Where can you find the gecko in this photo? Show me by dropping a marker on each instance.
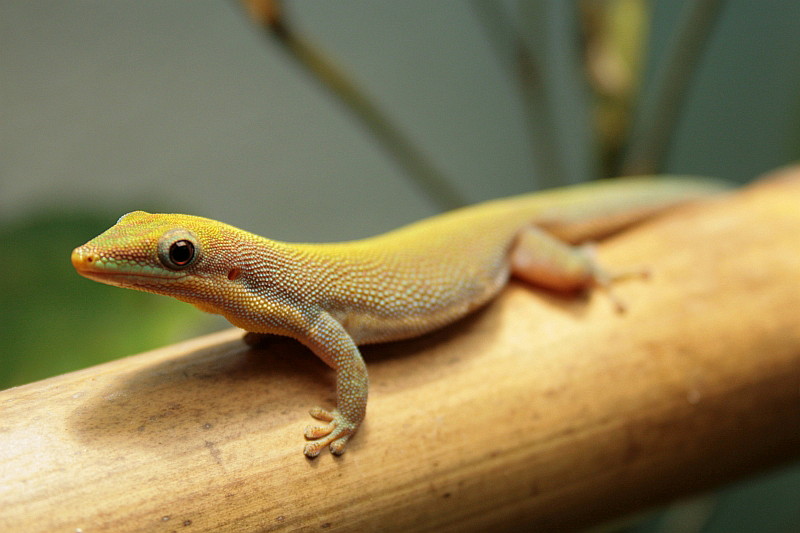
(333, 297)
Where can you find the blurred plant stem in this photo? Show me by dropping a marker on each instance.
(660, 101)
(571, 93)
(555, 72)
(615, 49)
(269, 15)
(524, 68)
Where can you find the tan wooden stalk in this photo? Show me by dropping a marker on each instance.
(538, 412)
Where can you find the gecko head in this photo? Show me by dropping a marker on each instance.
(161, 253)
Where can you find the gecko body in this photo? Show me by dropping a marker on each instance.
(334, 296)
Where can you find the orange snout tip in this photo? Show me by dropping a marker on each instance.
(81, 259)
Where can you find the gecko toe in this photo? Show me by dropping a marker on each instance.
(316, 432)
(322, 414)
(338, 446)
(312, 449)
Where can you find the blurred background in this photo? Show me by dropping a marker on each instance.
(338, 120)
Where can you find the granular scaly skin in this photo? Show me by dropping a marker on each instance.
(333, 297)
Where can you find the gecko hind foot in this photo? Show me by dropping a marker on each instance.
(335, 433)
(605, 280)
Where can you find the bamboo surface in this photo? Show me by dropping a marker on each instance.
(538, 412)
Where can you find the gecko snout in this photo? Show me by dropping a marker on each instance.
(82, 259)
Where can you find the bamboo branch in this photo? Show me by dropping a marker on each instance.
(537, 412)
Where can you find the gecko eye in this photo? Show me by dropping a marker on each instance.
(181, 253)
(177, 249)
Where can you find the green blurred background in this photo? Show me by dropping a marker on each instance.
(108, 107)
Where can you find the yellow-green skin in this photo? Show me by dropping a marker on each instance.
(332, 297)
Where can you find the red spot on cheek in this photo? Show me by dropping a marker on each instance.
(234, 273)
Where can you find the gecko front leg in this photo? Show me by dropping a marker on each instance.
(331, 343)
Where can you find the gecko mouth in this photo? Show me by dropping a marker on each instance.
(85, 264)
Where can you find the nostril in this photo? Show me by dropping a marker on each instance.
(81, 259)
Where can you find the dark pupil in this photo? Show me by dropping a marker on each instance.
(181, 252)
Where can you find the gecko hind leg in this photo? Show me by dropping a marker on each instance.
(541, 259)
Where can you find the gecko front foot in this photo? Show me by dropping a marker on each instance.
(335, 433)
